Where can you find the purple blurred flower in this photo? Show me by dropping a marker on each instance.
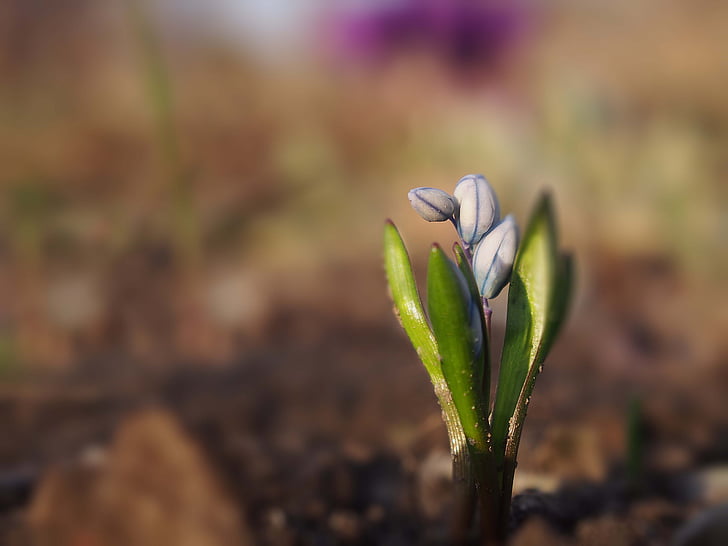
(464, 32)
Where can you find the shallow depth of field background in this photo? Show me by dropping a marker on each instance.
(192, 198)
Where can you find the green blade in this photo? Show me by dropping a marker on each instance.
(408, 308)
(484, 361)
(407, 303)
(467, 271)
(451, 312)
(530, 300)
(563, 289)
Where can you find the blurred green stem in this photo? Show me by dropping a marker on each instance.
(159, 92)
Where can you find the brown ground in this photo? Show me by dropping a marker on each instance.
(328, 433)
(196, 347)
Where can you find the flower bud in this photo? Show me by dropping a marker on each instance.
(479, 209)
(493, 259)
(432, 204)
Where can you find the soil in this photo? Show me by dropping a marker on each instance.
(327, 432)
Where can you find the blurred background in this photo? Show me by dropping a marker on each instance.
(196, 343)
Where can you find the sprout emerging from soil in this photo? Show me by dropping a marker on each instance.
(452, 337)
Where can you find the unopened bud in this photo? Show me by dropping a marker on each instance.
(479, 209)
(493, 259)
(432, 204)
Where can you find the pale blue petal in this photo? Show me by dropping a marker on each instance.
(493, 259)
(478, 208)
(432, 204)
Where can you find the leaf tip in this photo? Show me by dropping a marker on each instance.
(545, 204)
(436, 252)
(390, 231)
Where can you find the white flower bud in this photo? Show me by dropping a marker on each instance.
(493, 259)
(479, 209)
(432, 204)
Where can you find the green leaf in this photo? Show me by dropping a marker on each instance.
(408, 308)
(467, 271)
(451, 311)
(484, 362)
(563, 289)
(529, 325)
(407, 303)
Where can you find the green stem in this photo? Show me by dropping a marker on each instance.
(474, 472)
(486, 479)
(463, 481)
(489, 490)
(509, 471)
(158, 83)
(486, 317)
(513, 440)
